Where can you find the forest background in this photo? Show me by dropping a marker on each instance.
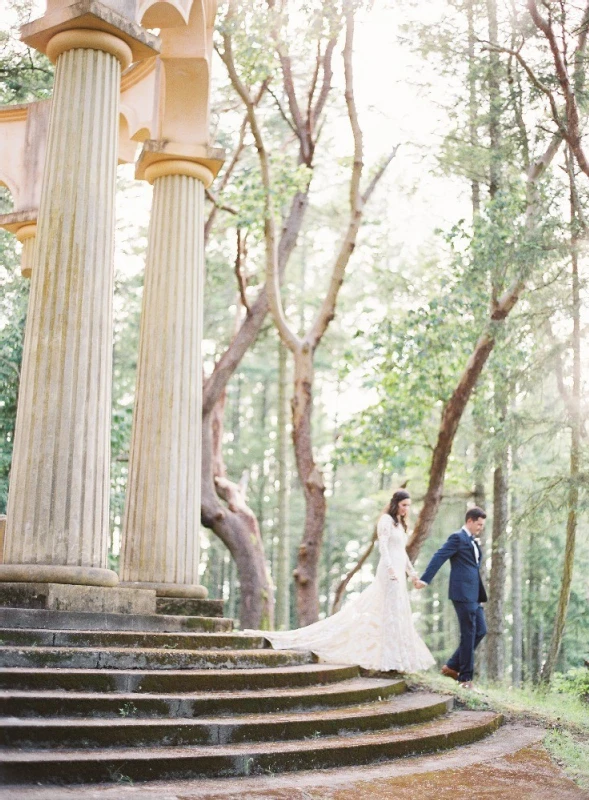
(413, 175)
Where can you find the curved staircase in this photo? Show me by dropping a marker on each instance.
(88, 698)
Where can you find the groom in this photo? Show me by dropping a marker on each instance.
(466, 592)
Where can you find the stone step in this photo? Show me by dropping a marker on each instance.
(130, 732)
(33, 637)
(88, 621)
(72, 704)
(174, 763)
(189, 606)
(170, 680)
(148, 658)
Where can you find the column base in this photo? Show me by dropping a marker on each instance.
(189, 591)
(55, 573)
(69, 597)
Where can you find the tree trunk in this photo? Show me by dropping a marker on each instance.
(451, 416)
(495, 607)
(261, 488)
(233, 593)
(283, 576)
(495, 102)
(538, 651)
(575, 455)
(516, 590)
(306, 572)
(473, 104)
(236, 526)
(479, 494)
(531, 603)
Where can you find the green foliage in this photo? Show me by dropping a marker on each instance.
(416, 357)
(13, 307)
(575, 682)
(25, 75)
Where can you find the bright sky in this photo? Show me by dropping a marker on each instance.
(387, 75)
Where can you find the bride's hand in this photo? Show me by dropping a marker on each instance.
(392, 574)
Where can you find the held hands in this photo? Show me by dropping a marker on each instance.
(419, 584)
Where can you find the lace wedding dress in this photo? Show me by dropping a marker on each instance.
(375, 629)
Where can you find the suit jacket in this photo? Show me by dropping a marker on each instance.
(465, 580)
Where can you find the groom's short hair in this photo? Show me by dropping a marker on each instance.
(475, 513)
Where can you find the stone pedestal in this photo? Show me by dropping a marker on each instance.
(57, 526)
(162, 515)
(87, 599)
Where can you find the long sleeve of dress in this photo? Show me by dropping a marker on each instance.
(410, 569)
(383, 531)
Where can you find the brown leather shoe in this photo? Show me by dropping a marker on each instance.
(449, 672)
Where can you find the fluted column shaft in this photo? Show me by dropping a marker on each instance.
(59, 488)
(162, 514)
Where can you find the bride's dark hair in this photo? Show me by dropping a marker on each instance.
(393, 509)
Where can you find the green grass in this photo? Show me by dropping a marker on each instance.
(565, 716)
(571, 753)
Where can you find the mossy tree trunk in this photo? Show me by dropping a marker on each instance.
(575, 453)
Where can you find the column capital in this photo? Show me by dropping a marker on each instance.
(17, 220)
(159, 158)
(23, 224)
(26, 236)
(89, 39)
(26, 232)
(90, 15)
(174, 166)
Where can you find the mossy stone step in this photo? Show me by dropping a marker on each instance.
(130, 732)
(175, 763)
(32, 637)
(147, 658)
(99, 621)
(189, 606)
(72, 704)
(169, 680)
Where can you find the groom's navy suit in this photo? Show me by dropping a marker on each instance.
(466, 592)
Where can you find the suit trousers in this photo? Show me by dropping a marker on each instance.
(473, 627)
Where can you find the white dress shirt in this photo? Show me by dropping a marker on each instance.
(476, 549)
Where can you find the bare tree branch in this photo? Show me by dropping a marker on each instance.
(315, 112)
(572, 129)
(283, 113)
(357, 200)
(273, 282)
(239, 264)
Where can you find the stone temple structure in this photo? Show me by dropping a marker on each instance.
(117, 86)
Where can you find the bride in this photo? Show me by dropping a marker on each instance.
(375, 629)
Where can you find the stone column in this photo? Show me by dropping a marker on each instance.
(57, 517)
(162, 515)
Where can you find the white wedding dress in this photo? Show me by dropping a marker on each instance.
(375, 629)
